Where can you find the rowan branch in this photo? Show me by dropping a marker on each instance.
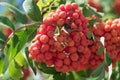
(18, 29)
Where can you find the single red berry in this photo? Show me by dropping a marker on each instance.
(7, 31)
(44, 38)
(74, 57)
(48, 55)
(61, 55)
(59, 63)
(74, 6)
(44, 47)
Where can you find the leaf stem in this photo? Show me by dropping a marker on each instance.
(18, 29)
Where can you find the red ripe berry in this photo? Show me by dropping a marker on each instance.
(62, 7)
(49, 62)
(44, 47)
(78, 21)
(50, 28)
(114, 33)
(62, 14)
(80, 49)
(7, 31)
(65, 69)
(48, 55)
(76, 38)
(34, 51)
(50, 33)
(39, 57)
(60, 48)
(60, 22)
(44, 38)
(59, 63)
(75, 15)
(61, 55)
(67, 61)
(71, 43)
(37, 37)
(107, 36)
(42, 29)
(55, 17)
(51, 41)
(52, 49)
(73, 25)
(74, 57)
(26, 73)
(75, 65)
(74, 6)
(60, 38)
(72, 49)
(57, 45)
(48, 20)
(31, 56)
(107, 28)
(68, 7)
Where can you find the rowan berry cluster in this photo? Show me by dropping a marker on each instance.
(116, 6)
(95, 4)
(61, 42)
(111, 32)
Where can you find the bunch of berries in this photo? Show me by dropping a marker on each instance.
(61, 41)
(116, 6)
(111, 32)
(95, 4)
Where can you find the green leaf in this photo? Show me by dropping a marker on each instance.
(62, 1)
(23, 37)
(16, 43)
(1, 65)
(81, 73)
(101, 76)
(59, 76)
(44, 1)
(1, 43)
(80, 2)
(70, 76)
(12, 47)
(5, 21)
(98, 71)
(31, 31)
(14, 72)
(30, 62)
(89, 35)
(2, 36)
(6, 76)
(20, 59)
(101, 49)
(88, 11)
(91, 23)
(19, 16)
(107, 59)
(6, 63)
(32, 10)
(1, 54)
(47, 70)
(57, 31)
